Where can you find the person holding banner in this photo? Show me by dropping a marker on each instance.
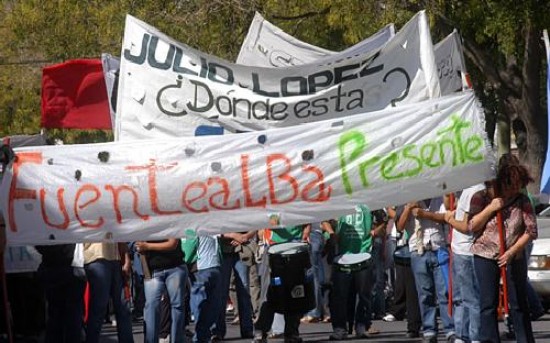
(352, 267)
(206, 289)
(429, 256)
(277, 237)
(168, 275)
(519, 226)
(64, 281)
(103, 270)
(465, 286)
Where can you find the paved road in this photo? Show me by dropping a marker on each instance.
(389, 332)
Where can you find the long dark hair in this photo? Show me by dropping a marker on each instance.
(509, 171)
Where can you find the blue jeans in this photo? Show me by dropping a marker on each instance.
(465, 298)
(207, 293)
(430, 286)
(172, 281)
(105, 279)
(232, 262)
(379, 274)
(316, 241)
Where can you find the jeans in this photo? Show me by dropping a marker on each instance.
(379, 274)
(105, 280)
(430, 285)
(65, 296)
(342, 282)
(316, 241)
(172, 281)
(465, 298)
(206, 293)
(232, 262)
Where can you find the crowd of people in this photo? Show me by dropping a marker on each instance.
(438, 260)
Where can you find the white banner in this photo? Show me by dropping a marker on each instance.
(266, 45)
(153, 189)
(111, 66)
(21, 259)
(168, 89)
(451, 67)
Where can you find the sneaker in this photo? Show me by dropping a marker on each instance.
(165, 339)
(260, 337)
(235, 321)
(429, 339)
(413, 334)
(389, 318)
(309, 319)
(247, 335)
(293, 339)
(360, 331)
(373, 331)
(338, 336)
(217, 338)
(451, 338)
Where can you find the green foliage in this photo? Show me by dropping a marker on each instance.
(58, 30)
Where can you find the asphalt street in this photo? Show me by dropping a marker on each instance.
(319, 332)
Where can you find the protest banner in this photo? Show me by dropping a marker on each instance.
(167, 89)
(111, 66)
(266, 45)
(154, 189)
(21, 259)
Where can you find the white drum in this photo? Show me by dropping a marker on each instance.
(349, 263)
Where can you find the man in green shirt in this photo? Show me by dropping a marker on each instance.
(353, 237)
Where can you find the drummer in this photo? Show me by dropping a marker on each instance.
(353, 237)
(266, 314)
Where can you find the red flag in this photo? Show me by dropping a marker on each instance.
(74, 96)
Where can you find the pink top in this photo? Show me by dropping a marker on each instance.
(517, 218)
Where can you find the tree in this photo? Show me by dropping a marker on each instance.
(501, 39)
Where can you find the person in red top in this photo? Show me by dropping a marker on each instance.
(520, 226)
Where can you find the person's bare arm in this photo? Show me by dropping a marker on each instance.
(479, 220)
(437, 217)
(459, 225)
(167, 245)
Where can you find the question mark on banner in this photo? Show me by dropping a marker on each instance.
(408, 86)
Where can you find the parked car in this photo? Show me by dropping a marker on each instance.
(539, 263)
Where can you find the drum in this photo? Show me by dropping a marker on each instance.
(291, 289)
(402, 256)
(349, 263)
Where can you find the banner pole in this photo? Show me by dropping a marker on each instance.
(503, 268)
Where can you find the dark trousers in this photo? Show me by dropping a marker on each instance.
(65, 297)
(406, 298)
(518, 299)
(342, 284)
(488, 275)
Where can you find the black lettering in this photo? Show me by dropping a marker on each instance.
(339, 76)
(299, 107)
(139, 59)
(301, 83)
(357, 102)
(256, 87)
(194, 106)
(151, 55)
(338, 97)
(265, 105)
(213, 73)
(315, 104)
(236, 107)
(319, 80)
(274, 112)
(219, 105)
(177, 64)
